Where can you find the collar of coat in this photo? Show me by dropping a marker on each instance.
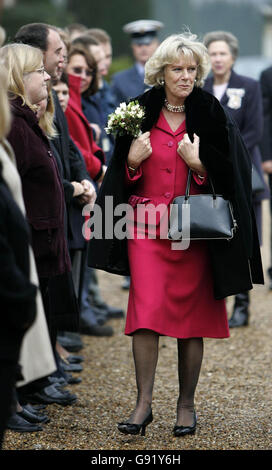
(23, 110)
(235, 80)
(204, 116)
(221, 148)
(203, 111)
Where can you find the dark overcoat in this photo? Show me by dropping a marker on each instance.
(17, 293)
(236, 264)
(72, 167)
(95, 111)
(266, 87)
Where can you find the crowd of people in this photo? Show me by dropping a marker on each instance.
(55, 100)
(54, 154)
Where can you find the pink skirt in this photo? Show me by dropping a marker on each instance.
(171, 291)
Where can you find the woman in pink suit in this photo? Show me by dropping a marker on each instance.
(159, 304)
(178, 293)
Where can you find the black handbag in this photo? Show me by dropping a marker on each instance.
(258, 185)
(201, 216)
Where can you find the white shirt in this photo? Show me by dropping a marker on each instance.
(219, 90)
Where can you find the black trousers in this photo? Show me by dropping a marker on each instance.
(8, 377)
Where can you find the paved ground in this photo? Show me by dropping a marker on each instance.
(233, 400)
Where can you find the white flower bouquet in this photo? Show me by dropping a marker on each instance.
(126, 119)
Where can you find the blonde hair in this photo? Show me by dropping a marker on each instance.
(46, 121)
(170, 50)
(20, 59)
(5, 114)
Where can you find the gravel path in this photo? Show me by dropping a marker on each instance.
(233, 400)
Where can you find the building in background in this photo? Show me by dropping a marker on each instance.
(249, 20)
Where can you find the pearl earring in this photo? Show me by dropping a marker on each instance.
(161, 82)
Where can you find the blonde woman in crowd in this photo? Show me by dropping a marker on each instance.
(24, 335)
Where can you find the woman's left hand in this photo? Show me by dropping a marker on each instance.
(189, 152)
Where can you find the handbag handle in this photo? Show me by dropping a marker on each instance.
(188, 185)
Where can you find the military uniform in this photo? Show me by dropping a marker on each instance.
(130, 82)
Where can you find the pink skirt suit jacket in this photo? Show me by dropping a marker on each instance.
(171, 290)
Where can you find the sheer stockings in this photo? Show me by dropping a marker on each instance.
(190, 354)
(145, 354)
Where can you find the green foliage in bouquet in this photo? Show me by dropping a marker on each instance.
(126, 119)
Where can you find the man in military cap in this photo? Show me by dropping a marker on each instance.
(144, 41)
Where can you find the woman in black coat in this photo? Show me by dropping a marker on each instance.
(237, 264)
(234, 264)
(17, 296)
(242, 98)
(17, 292)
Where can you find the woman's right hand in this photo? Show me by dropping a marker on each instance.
(139, 151)
(78, 188)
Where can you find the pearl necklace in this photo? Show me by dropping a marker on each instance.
(174, 109)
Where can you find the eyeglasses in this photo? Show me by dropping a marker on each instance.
(41, 70)
(80, 70)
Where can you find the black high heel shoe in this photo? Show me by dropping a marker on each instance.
(130, 428)
(183, 430)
